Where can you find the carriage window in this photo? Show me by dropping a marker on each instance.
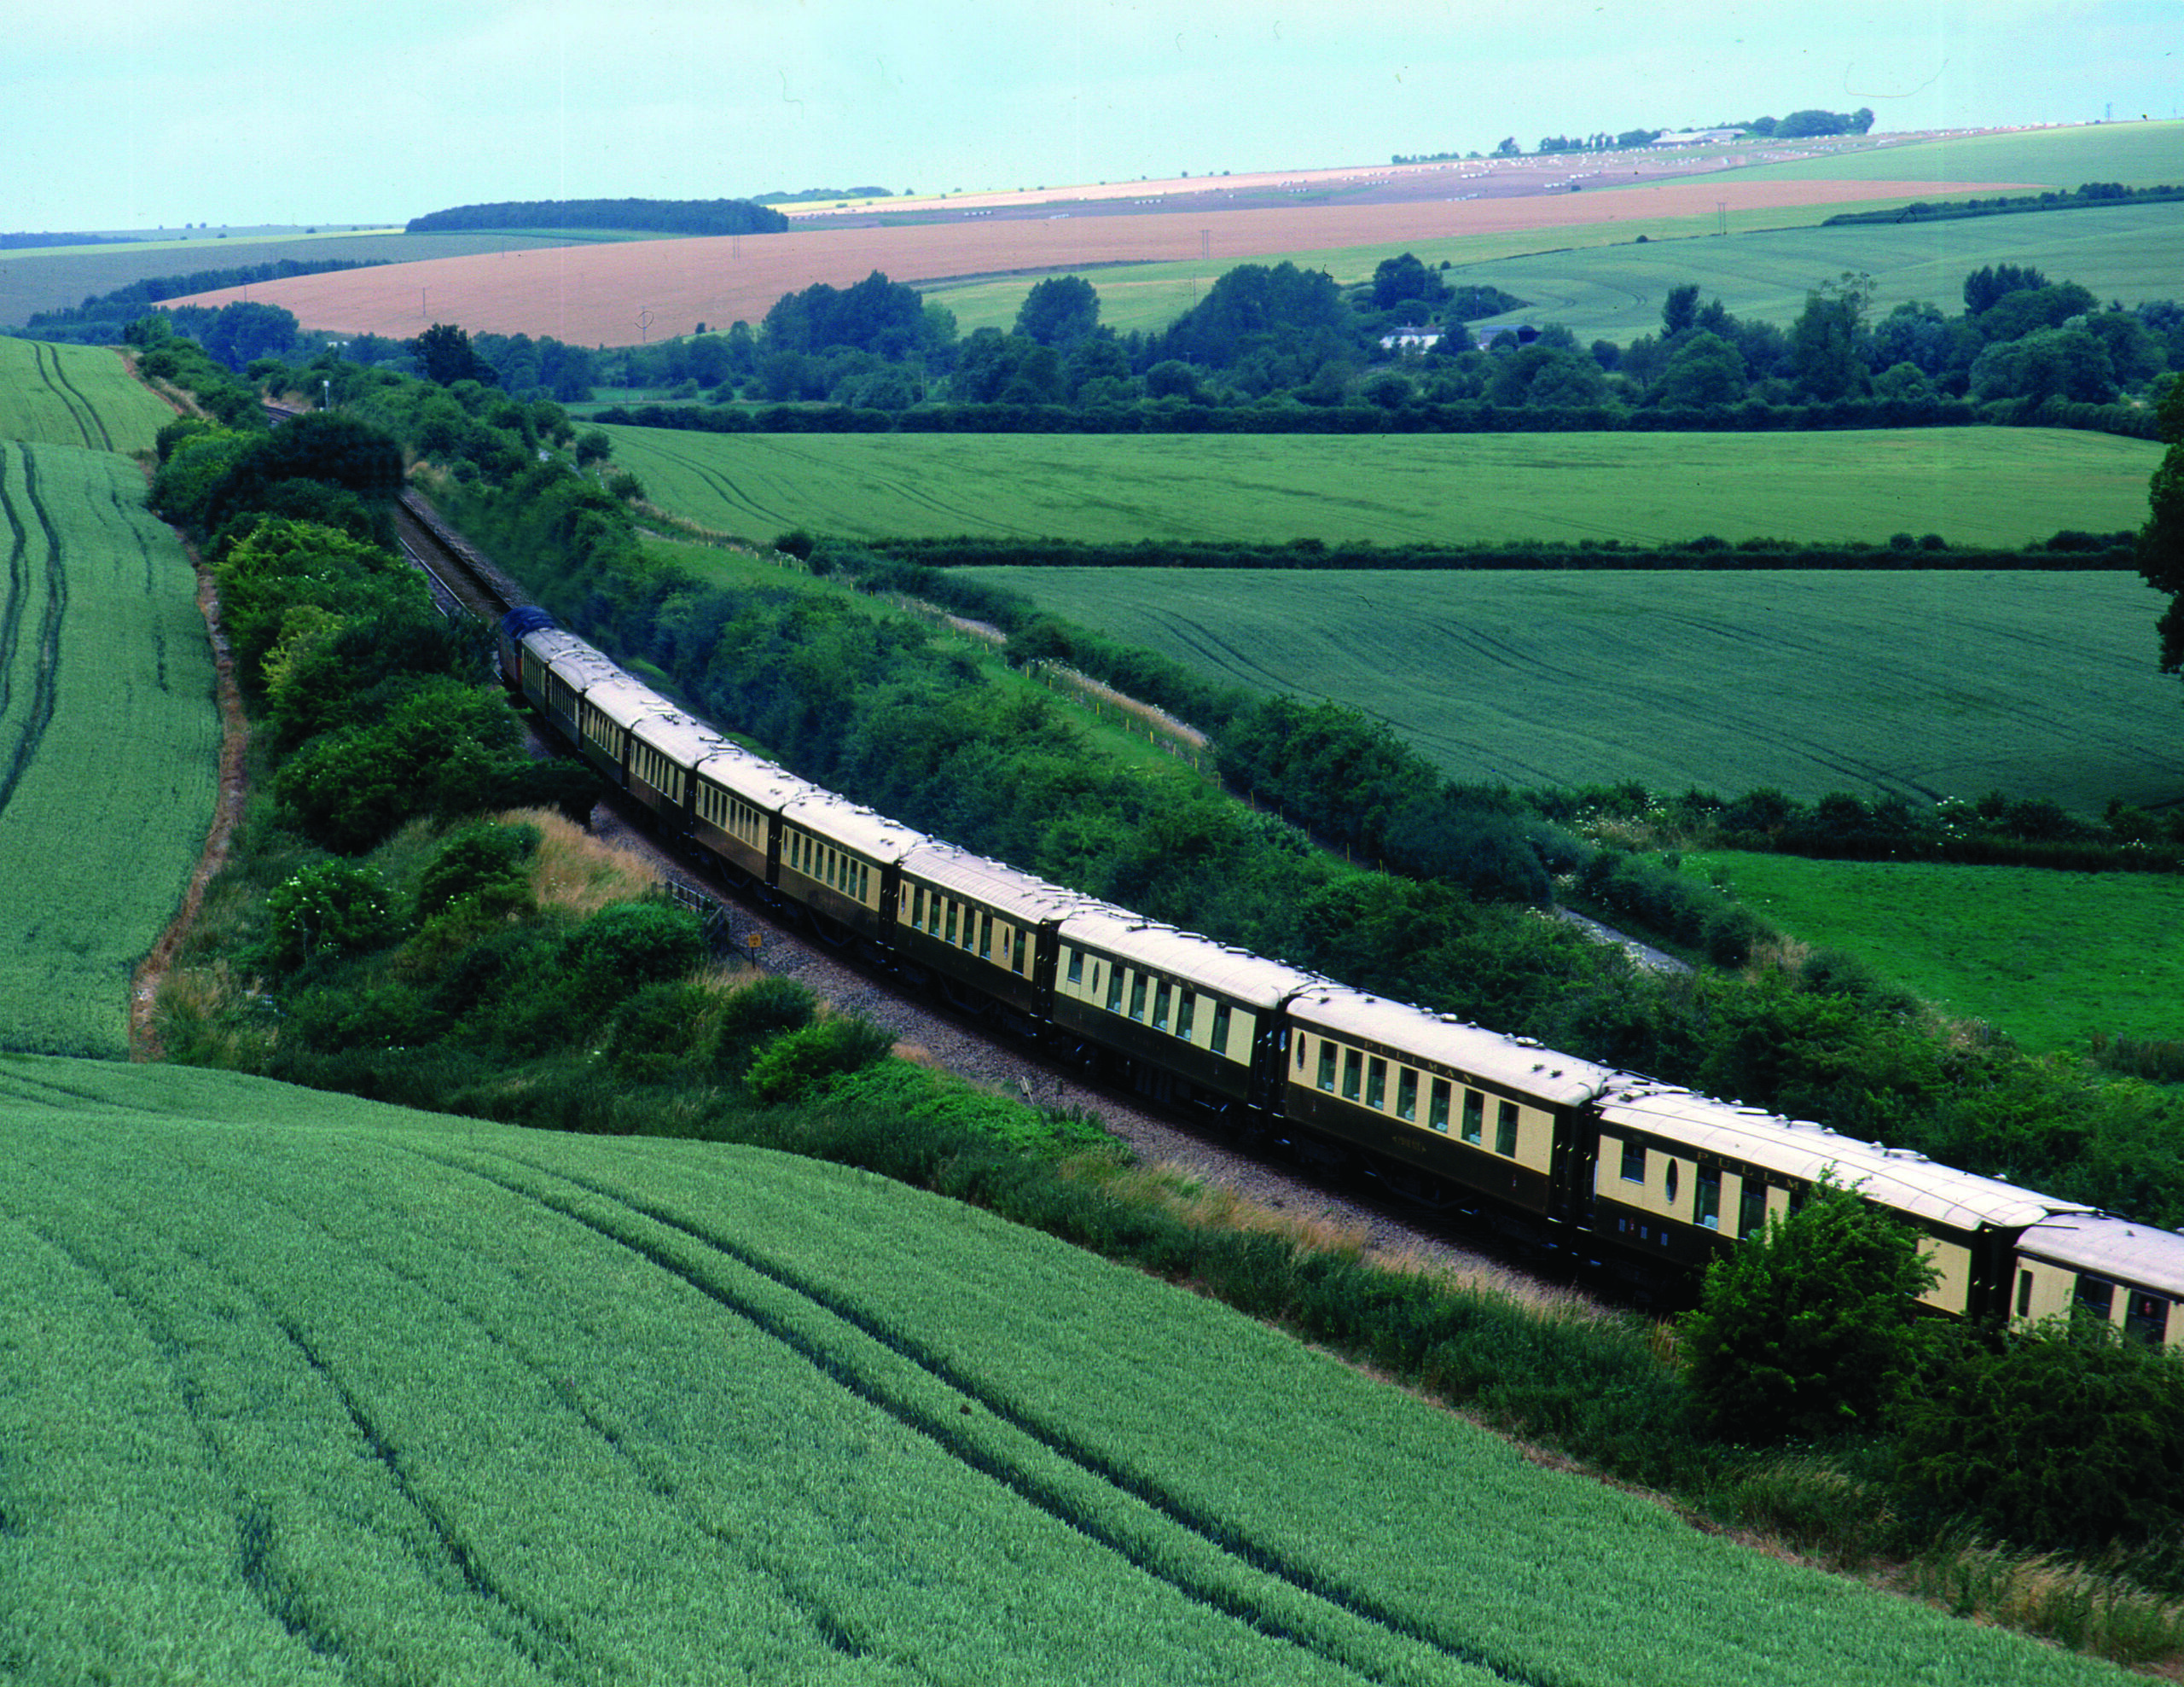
(1474, 1115)
(1438, 1113)
(1016, 959)
(1137, 996)
(1353, 1069)
(1326, 1065)
(1115, 991)
(985, 935)
(1407, 1094)
(1505, 1129)
(951, 923)
(1671, 1183)
(1751, 1207)
(1220, 1043)
(1184, 1003)
(1160, 1006)
(1634, 1162)
(2097, 1295)
(933, 915)
(1376, 1083)
(917, 906)
(1709, 1197)
(2147, 1315)
(2024, 1295)
(1076, 966)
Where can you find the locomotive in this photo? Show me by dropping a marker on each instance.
(1607, 1163)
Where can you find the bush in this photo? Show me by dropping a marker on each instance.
(657, 1031)
(335, 908)
(2069, 1433)
(754, 1015)
(794, 1063)
(628, 945)
(485, 860)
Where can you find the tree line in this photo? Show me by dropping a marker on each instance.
(643, 216)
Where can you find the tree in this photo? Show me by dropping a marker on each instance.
(1059, 311)
(445, 355)
(1704, 369)
(246, 331)
(1828, 341)
(1679, 310)
(1398, 280)
(2161, 541)
(2049, 363)
(1802, 1331)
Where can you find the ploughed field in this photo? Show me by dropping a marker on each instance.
(307, 1388)
(1928, 685)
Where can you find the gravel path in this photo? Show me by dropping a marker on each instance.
(1350, 1205)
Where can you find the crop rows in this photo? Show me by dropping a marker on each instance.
(108, 742)
(74, 395)
(396, 1397)
(1924, 685)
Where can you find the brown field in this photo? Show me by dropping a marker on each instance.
(621, 294)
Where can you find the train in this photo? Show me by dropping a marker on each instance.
(1649, 1179)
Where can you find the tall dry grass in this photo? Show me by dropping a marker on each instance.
(576, 872)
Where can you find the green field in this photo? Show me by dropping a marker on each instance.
(306, 1389)
(2137, 154)
(2047, 957)
(1973, 486)
(109, 743)
(76, 395)
(1615, 292)
(1929, 685)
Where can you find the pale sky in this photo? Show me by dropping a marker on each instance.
(117, 115)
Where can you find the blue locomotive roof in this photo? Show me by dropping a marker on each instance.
(523, 619)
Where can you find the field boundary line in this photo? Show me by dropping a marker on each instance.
(228, 807)
(1228, 1544)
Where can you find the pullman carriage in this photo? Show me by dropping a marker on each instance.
(556, 668)
(663, 749)
(1449, 1108)
(1681, 1176)
(982, 924)
(1196, 1018)
(2124, 1273)
(606, 711)
(839, 860)
(735, 804)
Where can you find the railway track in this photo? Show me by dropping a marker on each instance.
(1329, 1198)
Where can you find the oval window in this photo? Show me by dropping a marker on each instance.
(1671, 1183)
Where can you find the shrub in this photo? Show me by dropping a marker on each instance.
(335, 908)
(657, 1031)
(754, 1015)
(630, 945)
(484, 859)
(2068, 1433)
(793, 1064)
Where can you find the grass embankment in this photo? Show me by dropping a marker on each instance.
(2053, 960)
(109, 742)
(380, 1393)
(1974, 486)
